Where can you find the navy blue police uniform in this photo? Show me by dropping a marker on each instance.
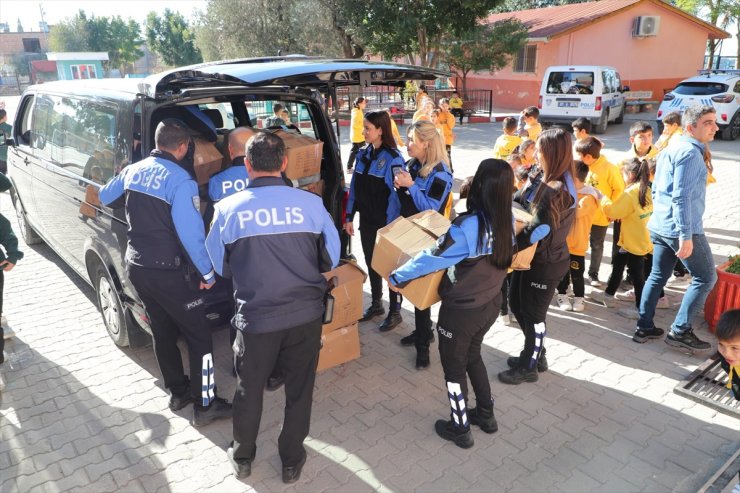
(274, 242)
(426, 193)
(229, 181)
(471, 295)
(372, 196)
(166, 245)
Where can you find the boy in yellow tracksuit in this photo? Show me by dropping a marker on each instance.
(456, 106)
(607, 179)
(588, 204)
(634, 207)
(671, 130)
(507, 142)
(447, 122)
(355, 132)
(641, 138)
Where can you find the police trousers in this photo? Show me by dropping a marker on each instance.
(296, 352)
(174, 310)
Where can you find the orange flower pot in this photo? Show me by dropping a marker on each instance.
(724, 296)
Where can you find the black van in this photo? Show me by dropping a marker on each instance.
(71, 137)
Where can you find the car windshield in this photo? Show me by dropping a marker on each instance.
(570, 83)
(700, 88)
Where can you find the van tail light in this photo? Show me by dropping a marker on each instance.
(723, 116)
(660, 113)
(539, 103)
(723, 98)
(669, 97)
(598, 103)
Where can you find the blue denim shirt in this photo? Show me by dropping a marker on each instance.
(679, 190)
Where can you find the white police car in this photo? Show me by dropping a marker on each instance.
(718, 88)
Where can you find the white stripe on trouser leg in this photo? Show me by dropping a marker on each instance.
(539, 339)
(207, 380)
(457, 404)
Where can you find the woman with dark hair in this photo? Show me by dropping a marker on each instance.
(371, 194)
(355, 132)
(427, 185)
(476, 252)
(550, 195)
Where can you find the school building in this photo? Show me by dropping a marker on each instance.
(652, 44)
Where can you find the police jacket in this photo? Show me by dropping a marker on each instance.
(471, 281)
(427, 193)
(371, 191)
(232, 179)
(274, 242)
(552, 247)
(165, 228)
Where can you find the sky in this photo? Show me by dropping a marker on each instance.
(57, 10)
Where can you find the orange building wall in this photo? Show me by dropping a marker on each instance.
(654, 64)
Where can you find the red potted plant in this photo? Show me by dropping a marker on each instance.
(726, 293)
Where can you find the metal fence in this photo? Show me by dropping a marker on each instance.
(400, 101)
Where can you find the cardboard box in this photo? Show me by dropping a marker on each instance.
(400, 241)
(316, 187)
(339, 346)
(207, 160)
(304, 154)
(522, 260)
(347, 295)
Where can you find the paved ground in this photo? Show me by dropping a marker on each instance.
(81, 414)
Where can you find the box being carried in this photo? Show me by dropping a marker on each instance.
(207, 160)
(339, 346)
(347, 296)
(303, 152)
(400, 241)
(523, 259)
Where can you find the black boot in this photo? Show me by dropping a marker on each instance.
(422, 358)
(483, 417)
(459, 435)
(542, 366)
(409, 340)
(517, 375)
(391, 321)
(375, 309)
(219, 409)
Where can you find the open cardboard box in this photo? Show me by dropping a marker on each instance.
(339, 346)
(400, 241)
(347, 295)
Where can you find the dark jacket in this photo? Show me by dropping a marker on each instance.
(9, 242)
(371, 191)
(274, 242)
(427, 193)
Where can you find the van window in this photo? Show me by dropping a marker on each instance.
(24, 130)
(611, 81)
(570, 83)
(77, 134)
(262, 115)
(700, 88)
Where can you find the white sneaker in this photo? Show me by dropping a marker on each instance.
(594, 281)
(3, 321)
(626, 295)
(564, 303)
(578, 305)
(602, 298)
(505, 319)
(630, 313)
(2, 381)
(663, 303)
(8, 332)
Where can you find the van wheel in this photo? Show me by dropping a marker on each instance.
(109, 303)
(732, 131)
(27, 233)
(600, 127)
(620, 118)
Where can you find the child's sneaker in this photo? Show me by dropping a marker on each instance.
(578, 305)
(8, 332)
(642, 335)
(564, 303)
(687, 340)
(2, 381)
(629, 313)
(605, 299)
(594, 281)
(663, 303)
(626, 295)
(505, 318)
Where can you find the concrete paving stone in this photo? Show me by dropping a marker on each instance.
(600, 466)
(587, 444)
(502, 478)
(573, 425)
(44, 460)
(449, 481)
(593, 411)
(375, 414)
(522, 435)
(540, 480)
(606, 428)
(566, 459)
(104, 484)
(578, 482)
(532, 456)
(640, 433)
(73, 480)
(117, 461)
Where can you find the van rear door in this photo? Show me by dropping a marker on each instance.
(569, 94)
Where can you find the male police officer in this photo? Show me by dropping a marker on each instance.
(234, 178)
(166, 236)
(274, 241)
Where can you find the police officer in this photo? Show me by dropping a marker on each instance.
(234, 178)
(274, 242)
(166, 239)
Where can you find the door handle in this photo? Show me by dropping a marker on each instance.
(25, 161)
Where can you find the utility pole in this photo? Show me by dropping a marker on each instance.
(44, 27)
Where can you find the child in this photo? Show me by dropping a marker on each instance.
(641, 138)
(671, 129)
(577, 240)
(456, 106)
(634, 207)
(606, 178)
(424, 112)
(507, 142)
(728, 345)
(526, 151)
(446, 121)
(529, 126)
(581, 128)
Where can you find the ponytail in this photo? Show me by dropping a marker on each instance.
(640, 169)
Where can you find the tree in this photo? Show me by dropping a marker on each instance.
(485, 47)
(171, 38)
(120, 39)
(721, 13)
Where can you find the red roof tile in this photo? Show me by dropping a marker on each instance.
(549, 22)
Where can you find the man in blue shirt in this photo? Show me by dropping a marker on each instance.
(676, 230)
(274, 242)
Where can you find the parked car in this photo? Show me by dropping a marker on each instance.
(588, 91)
(70, 137)
(718, 88)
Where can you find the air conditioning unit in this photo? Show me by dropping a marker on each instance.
(646, 25)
